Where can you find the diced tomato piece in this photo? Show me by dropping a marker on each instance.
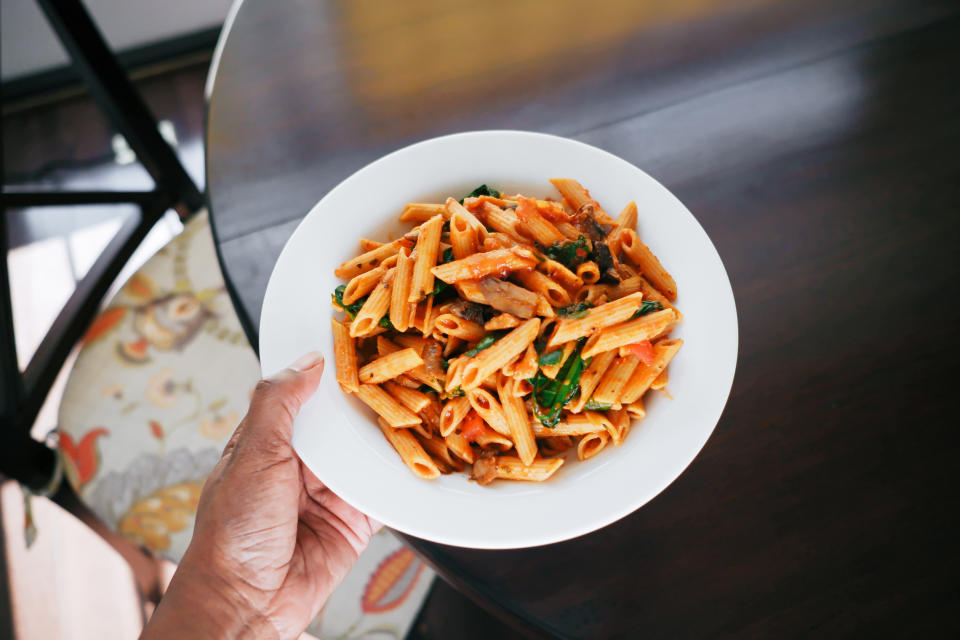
(526, 208)
(472, 426)
(643, 350)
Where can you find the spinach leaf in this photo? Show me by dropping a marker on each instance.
(575, 310)
(550, 398)
(440, 285)
(647, 306)
(570, 254)
(351, 309)
(487, 341)
(593, 405)
(456, 393)
(386, 324)
(482, 190)
(553, 357)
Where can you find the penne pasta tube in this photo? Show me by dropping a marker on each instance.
(561, 275)
(369, 245)
(453, 413)
(412, 399)
(592, 444)
(555, 446)
(488, 408)
(588, 272)
(452, 325)
(595, 294)
(480, 265)
(345, 357)
(369, 260)
(643, 328)
(386, 406)
(399, 307)
(422, 211)
(590, 378)
(410, 450)
(427, 251)
(517, 419)
(502, 321)
(535, 226)
(376, 306)
(619, 425)
(568, 230)
(502, 221)
(526, 367)
(615, 379)
(660, 381)
(362, 284)
(438, 450)
(571, 425)
(512, 468)
(390, 366)
(460, 447)
(627, 286)
(487, 438)
(595, 319)
(544, 286)
(492, 359)
(635, 410)
(628, 217)
(644, 375)
(640, 255)
(574, 193)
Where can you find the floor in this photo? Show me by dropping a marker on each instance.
(63, 142)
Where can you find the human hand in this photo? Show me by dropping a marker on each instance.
(271, 542)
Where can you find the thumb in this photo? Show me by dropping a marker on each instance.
(277, 400)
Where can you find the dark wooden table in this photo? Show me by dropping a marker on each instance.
(820, 148)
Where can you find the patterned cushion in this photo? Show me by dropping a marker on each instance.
(163, 377)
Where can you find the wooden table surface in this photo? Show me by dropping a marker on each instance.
(817, 145)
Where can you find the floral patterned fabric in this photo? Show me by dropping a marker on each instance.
(162, 379)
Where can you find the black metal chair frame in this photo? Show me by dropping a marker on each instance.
(22, 394)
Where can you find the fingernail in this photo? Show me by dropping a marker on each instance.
(307, 361)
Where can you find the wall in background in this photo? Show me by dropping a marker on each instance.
(28, 45)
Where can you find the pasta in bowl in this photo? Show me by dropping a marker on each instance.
(337, 434)
(501, 331)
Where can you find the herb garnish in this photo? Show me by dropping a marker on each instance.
(593, 405)
(570, 254)
(550, 396)
(551, 358)
(647, 306)
(487, 341)
(482, 190)
(578, 310)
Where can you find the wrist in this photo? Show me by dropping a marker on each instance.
(200, 604)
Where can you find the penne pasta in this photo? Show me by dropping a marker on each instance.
(399, 305)
(411, 452)
(499, 354)
(376, 306)
(640, 255)
(345, 357)
(643, 328)
(412, 399)
(595, 319)
(544, 286)
(488, 408)
(463, 338)
(518, 423)
(386, 406)
(427, 251)
(614, 380)
(390, 366)
(591, 444)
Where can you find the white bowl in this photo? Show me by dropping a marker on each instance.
(337, 436)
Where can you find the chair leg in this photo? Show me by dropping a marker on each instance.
(116, 96)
